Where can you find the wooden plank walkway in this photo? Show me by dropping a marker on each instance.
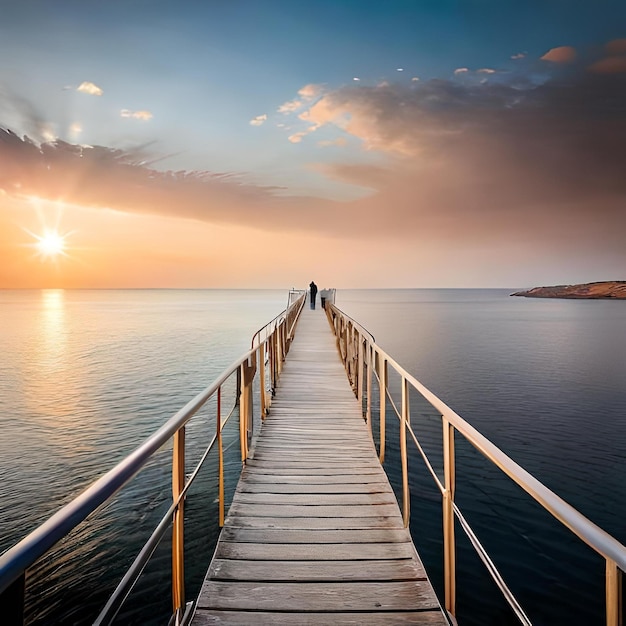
(314, 534)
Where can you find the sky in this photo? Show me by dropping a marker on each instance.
(357, 143)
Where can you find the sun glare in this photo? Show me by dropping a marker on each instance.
(51, 244)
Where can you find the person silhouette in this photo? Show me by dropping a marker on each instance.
(313, 292)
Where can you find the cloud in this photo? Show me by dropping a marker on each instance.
(461, 70)
(519, 55)
(486, 70)
(290, 106)
(89, 88)
(415, 79)
(258, 120)
(562, 54)
(615, 62)
(609, 65)
(137, 115)
(297, 137)
(309, 92)
(488, 158)
(616, 46)
(451, 163)
(101, 177)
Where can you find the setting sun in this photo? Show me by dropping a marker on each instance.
(51, 244)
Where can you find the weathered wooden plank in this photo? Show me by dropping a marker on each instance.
(293, 469)
(316, 499)
(313, 551)
(330, 571)
(318, 523)
(282, 535)
(344, 596)
(287, 510)
(241, 618)
(328, 480)
(334, 488)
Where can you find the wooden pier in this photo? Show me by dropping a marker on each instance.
(314, 534)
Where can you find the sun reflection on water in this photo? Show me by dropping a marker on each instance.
(55, 378)
(52, 329)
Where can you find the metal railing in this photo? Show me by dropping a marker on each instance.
(363, 358)
(272, 340)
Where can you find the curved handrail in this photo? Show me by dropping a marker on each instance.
(375, 357)
(17, 559)
(295, 306)
(24, 553)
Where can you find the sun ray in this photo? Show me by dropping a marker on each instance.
(51, 244)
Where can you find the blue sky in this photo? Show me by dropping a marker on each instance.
(197, 86)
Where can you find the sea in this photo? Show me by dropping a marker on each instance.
(87, 375)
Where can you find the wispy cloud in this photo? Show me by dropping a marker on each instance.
(290, 106)
(461, 70)
(89, 88)
(297, 137)
(258, 120)
(519, 55)
(137, 115)
(486, 70)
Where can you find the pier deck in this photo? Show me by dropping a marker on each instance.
(314, 534)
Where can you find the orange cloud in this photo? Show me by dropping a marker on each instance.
(562, 54)
(616, 46)
(609, 65)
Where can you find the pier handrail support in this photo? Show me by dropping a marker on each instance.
(354, 341)
(273, 340)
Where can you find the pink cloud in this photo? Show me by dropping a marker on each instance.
(609, 65)
(562, 54)
(616, 46)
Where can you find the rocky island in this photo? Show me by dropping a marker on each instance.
(615, 289)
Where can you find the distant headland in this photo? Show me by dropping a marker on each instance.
(615, 289)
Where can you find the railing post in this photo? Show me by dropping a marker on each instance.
(368, 410)
(383, 406)
(220, 452)
(272, 348)
(262, 380)
(359, 369)
(243, 414)
(613, 594)
(449, 547)
(178, 543)
(406, 501)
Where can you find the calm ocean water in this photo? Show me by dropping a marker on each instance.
(85, 376)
